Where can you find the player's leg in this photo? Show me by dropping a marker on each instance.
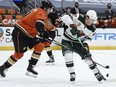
(10, 62)
(19, 46)
(70, 64)
(34, 59)
(49, 52)
(92, 65)
(68, 54)
(86, 56)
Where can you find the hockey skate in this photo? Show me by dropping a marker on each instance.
(72, 77)
(31, 72)
(100, 77)
(51, 60)
(3, 71)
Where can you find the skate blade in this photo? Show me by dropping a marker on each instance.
(72, 82)
(30, 74)
(1, 76)
(50, 63)
(102, 81)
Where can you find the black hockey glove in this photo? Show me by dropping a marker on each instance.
(52, 34)
(44, 35)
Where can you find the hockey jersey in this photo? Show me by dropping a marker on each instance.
(87, 31)
(27, 23)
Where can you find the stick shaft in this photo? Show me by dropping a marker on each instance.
(101, 65)
(57, 43)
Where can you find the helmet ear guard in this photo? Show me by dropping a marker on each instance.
(92, 15)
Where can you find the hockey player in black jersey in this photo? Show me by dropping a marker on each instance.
(78, 31)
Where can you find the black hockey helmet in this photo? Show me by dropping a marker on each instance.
(46, 4)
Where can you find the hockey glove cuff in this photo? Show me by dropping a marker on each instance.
(74, 29)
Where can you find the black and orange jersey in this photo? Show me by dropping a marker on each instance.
(49, 26)
(27, 23)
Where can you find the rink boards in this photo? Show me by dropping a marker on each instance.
(105, 39)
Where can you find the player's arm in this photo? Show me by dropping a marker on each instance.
(64, 19)
(40, 28)
(69, 23)
(89, 32)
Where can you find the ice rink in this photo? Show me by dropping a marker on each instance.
(56, 75)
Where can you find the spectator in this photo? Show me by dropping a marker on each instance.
(100, 23)
(109, 12)
(68, 10)
(113, 22)
(76, 7)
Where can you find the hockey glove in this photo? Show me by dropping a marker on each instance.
(52, 34)
(74, 29)
(86, 46)
(43, 36)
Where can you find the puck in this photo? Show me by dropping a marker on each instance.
(107, 75)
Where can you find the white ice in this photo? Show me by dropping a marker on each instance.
(56, 75)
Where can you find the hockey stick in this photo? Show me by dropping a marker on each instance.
(107, 66)
(54, 41)
(59, 44)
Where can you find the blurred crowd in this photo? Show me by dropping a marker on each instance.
(109, 20)
(106, 21)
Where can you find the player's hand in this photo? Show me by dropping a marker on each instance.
(44, 34)
(52, 34)
(73, 26)
(74, 29)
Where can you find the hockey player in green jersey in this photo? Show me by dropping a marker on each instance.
(78, 31)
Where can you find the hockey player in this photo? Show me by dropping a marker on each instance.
(25, 34)
(51, 29)
(78, 31)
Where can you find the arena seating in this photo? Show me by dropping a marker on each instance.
(2, 11)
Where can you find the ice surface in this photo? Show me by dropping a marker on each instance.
(56, 75)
